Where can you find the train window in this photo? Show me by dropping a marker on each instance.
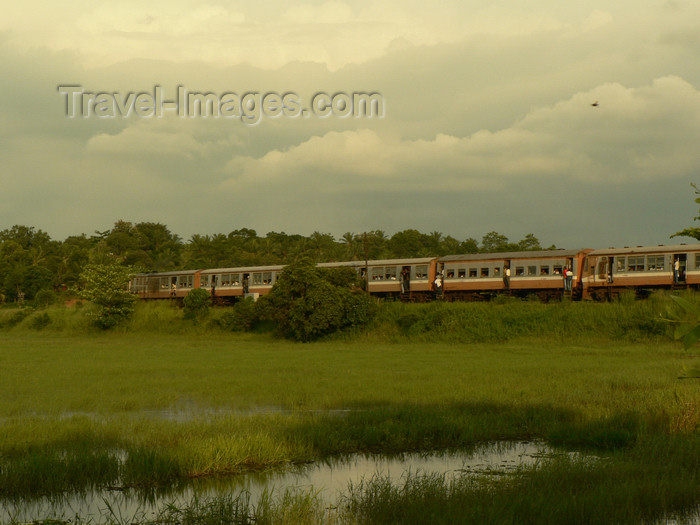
(472, 272)
(204, 281)
(697, 261)
(532, 270)
(450, 274)
(519, 271)
(421, 271)
(257, 278)
(655, 263)
(602, 268)
(620, 264)
(267, 278)
(496, 272)
(544, 270)
(635, 263)
(484, 272)
(461, 273)
(164, 283)
(377, 273)
(390, 273)
(557, 269)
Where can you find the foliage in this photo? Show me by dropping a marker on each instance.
(44, 298)
(241, 317)
(307, 302)
(196, 303)
(106, 288)
(691, 232)
(40, 321)
(16, 317)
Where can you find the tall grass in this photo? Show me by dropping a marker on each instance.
(504, 319)
(655, 480)
(508, 319)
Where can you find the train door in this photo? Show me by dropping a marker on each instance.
(611, 265)
(405, 279)
(246, 282)
(506, 274)
(570, 282)
(682, 259)
(602, 272)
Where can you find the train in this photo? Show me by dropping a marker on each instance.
(581, 274)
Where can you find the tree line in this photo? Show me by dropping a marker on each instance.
(30, 261)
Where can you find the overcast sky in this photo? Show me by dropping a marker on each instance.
(488, 122)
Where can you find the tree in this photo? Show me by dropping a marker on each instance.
(469, 245)
(196, 303)
(530, 242)
(691, 232)
(106, 287)
(410, 243)
(494, 242)
(309, 302)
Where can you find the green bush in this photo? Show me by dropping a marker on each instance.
(106, 288)
(17, 317)
(44, 298)
(196, 303)
(40, 321)
(241, 317)
(308, 302)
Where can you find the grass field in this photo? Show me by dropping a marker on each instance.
(80, 408)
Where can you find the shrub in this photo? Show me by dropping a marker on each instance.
(44, 298)
(308, 302)
(241, 317)
(40, 321)
(106, 288)
(196, 303)
(17, 317)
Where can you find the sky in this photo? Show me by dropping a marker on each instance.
(486, 121)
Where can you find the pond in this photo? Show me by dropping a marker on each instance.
(327, 478)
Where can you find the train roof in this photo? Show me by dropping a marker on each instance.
(661, 248)
(246, 269)
(378, 262)
(533, 254)
(166, 274)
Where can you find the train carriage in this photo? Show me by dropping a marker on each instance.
(609, 272)
(479, 275)
(239, 281)
(164, 285)
(392, 277)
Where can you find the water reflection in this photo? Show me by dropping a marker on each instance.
(327, 478)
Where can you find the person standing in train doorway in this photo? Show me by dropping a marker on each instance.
(405, 280)
(506, 277)
(676, 270)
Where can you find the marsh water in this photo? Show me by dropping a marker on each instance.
(328, 479)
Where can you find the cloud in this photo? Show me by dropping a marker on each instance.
(635, 134)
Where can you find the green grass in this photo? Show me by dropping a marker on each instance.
(164, 400)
